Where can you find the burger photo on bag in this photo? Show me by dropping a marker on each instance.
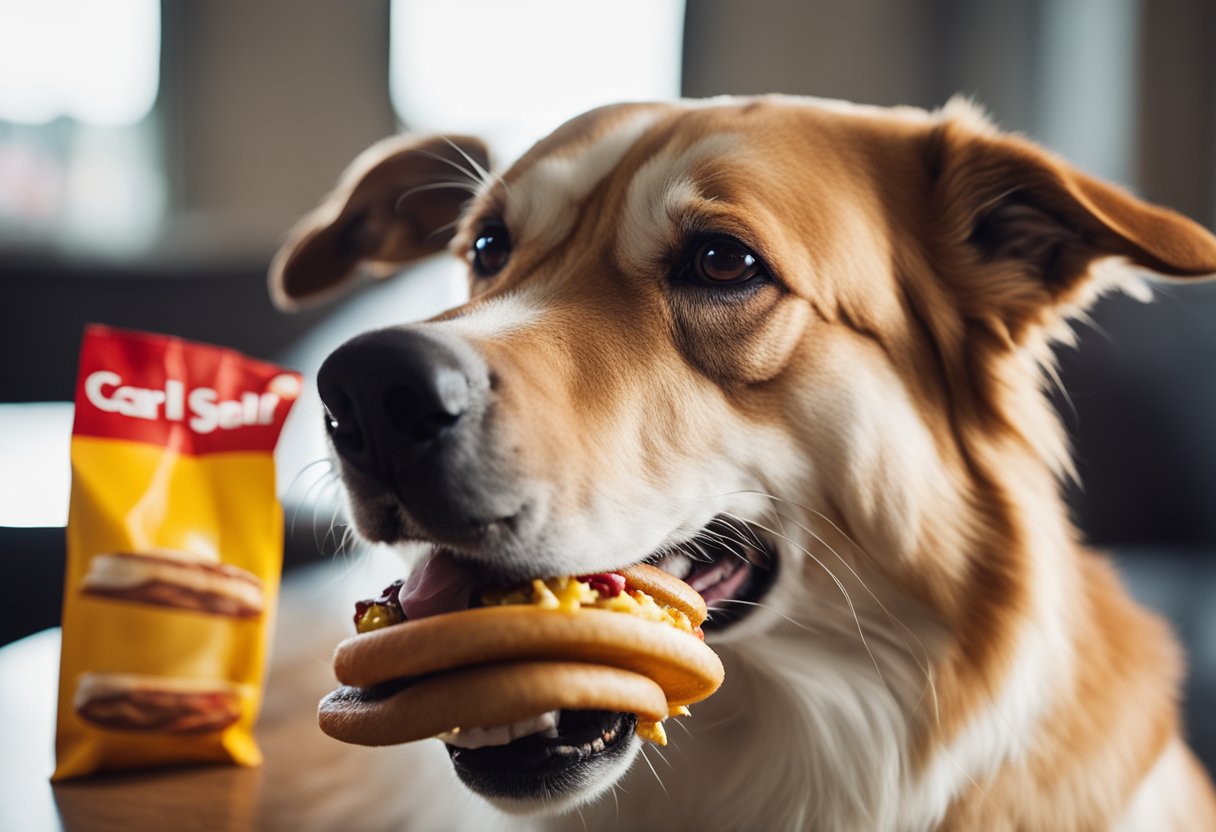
(178, 579)
(137, 702)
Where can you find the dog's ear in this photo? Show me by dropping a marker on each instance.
(1023, 228)
(397, 202)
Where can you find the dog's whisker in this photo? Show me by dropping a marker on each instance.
(468, 172)
(433, 186)
(729, 544)
(923, 660)
(336, 521)
(843, 590)
(770, 610)
(718, 723)
(475, 172)
(444, 229)
(920, 660)
(319, 483)
(861, 581)
(299, 475)
(746, 531)
(333, 519)
(705, 556)
(347, 543)
(316, 506)
(675, 746)
(664, 552)
(483, 174)
(323, 545)
(650, 765)
(335, 512)
(349, 565)
(729, 521)
(726, 540)
(452, 184)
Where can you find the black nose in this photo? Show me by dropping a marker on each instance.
(393, 395)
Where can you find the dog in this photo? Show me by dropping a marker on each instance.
(796, 351)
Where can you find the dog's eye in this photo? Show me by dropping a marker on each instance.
(722, 261)
(491, 250)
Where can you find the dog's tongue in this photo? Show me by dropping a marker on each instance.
(440, 585)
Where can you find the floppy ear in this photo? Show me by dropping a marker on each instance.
(397, 202)
(1024, 229)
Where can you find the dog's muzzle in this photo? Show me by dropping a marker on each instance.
(406, 409)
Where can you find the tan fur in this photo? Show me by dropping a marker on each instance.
(924, 251)
(1104, 732)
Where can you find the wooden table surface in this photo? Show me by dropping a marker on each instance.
(296, 787)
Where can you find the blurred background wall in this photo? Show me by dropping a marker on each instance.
(153, 154)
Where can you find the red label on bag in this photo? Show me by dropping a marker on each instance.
(190, 397)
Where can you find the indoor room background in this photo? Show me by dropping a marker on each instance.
(154, 154)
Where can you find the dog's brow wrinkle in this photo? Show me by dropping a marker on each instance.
(846, 318)
(662, 192)
(543, 203)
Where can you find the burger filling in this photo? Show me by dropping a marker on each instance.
(603, 591)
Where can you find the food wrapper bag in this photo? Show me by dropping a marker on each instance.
(174, 551)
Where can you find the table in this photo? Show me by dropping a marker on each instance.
(300, 786)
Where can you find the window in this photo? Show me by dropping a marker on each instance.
(78, 144)
(511, 72)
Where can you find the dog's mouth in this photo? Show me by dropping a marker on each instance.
(731, 564)
(562, 753)
(562, 758)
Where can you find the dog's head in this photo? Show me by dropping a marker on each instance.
(803, 332)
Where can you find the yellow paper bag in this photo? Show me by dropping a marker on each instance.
(174, 553)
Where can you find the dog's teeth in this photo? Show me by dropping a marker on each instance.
(708, 578)
(676, 564)
(535, 725)
(470, 738)
(477, 737)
